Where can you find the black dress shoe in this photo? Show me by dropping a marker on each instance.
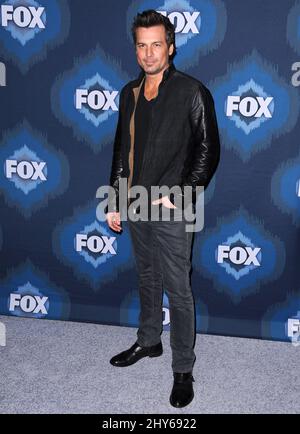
(182, 391)
(135, 353)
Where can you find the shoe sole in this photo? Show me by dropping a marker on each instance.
(135, 361)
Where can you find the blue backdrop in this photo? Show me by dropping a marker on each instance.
(63, 64)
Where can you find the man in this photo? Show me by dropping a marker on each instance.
(167, 135)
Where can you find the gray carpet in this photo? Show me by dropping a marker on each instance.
(63, 367)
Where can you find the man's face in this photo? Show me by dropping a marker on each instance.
(152, 51)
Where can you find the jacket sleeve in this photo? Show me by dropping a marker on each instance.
(117, 163)
(205, 155)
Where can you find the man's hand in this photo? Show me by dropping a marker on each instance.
(113, 221)
(165, 201)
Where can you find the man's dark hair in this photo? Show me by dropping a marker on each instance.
(151, 18)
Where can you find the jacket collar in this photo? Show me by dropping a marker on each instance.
(167, 73)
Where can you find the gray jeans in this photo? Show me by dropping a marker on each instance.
(162, 252)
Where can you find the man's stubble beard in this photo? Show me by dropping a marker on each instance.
(156, 71)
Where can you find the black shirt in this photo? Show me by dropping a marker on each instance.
(142, 121)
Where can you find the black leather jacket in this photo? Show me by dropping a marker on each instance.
(183, 144)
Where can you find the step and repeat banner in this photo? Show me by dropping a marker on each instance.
(63, 64)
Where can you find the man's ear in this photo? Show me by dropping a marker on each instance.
(171, 49)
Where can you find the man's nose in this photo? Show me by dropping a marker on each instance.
(149, 51)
